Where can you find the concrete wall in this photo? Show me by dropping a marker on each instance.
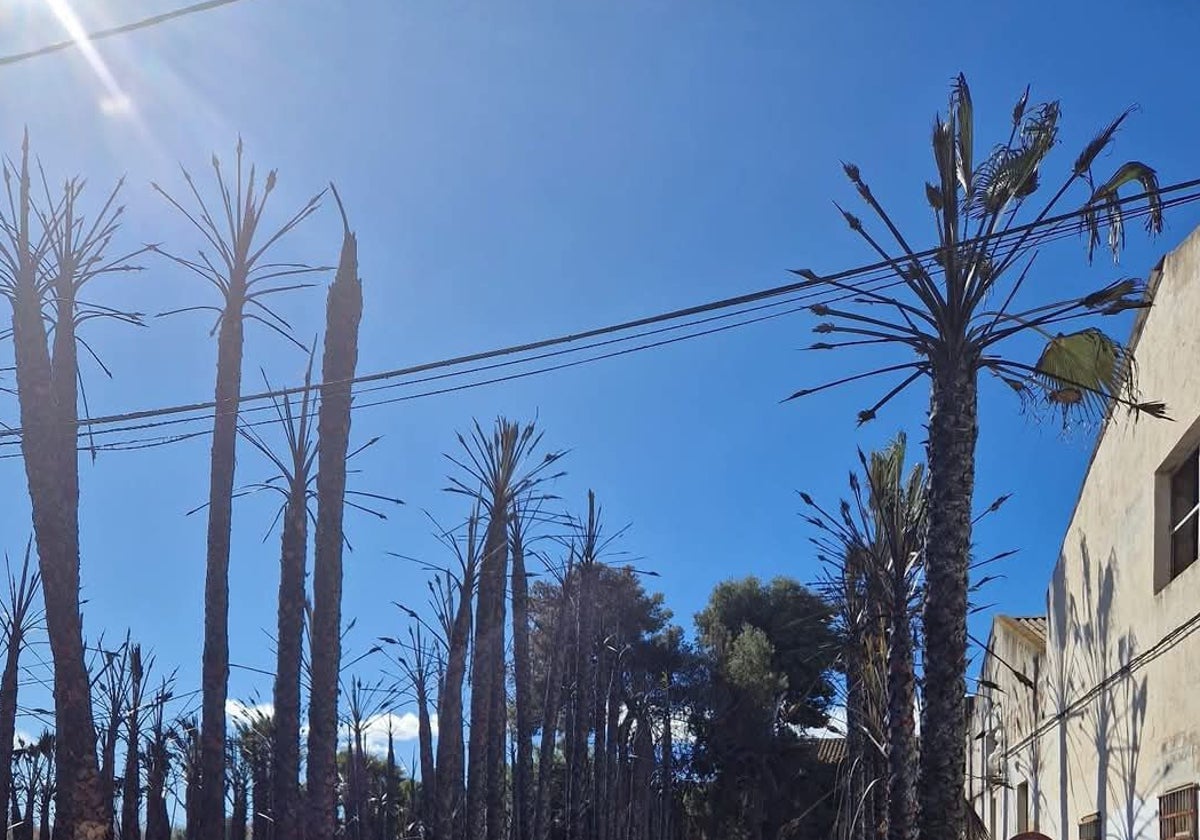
(1109, 601)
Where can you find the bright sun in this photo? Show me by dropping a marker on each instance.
(115, 100)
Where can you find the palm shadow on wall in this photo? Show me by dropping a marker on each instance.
(1088, 655)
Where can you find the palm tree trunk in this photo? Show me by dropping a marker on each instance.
(215, 659)
(51, 468)
(131, 789)
(425, 745)
(498, 728)
(953, 429)
(8, 696)
(237, 828)
(489, 641)
(450, 719)
(158, 825)
(343, 312)
(286, 752)
(523, 770)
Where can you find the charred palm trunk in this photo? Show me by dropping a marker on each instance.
(425, 745)
(551, 706)
(108, 756)
(286, 752)
(343, 313)
(523, 688)
(241, 807)
(158, 824)
(131, 788)
(953, 429)
(489, 655)
(215, 659)
(498, 732)
(450, 719)
(48, 445)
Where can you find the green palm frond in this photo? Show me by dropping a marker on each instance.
(1086, 371)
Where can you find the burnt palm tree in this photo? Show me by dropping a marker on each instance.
(234, 260)
(293, 482)
(955, 309)
(454, 594)
(48, 254)
(156, 754)
(131, 787)
(343, 312)
(499, 469)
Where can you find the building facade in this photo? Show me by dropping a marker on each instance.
(1086, 723)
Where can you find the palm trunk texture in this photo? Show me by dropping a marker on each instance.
(953, 429)
(343, 314)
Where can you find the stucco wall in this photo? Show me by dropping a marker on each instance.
(1140, 736)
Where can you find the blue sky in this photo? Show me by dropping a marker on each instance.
(526, 169)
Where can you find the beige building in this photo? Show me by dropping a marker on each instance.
(1086, 723)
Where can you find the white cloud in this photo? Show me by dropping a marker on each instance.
(403, 727)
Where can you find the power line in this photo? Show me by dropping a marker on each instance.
(1048, 230)
(144, 23)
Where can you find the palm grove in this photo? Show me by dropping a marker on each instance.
(554, 697)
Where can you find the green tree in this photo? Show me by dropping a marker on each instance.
(766, 650)
(955, 308)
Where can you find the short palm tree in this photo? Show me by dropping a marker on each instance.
(955, 309)
(874, 546)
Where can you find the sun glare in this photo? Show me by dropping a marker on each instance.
(114, 101)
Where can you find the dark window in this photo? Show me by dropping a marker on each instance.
(992, 817)
(1089, 828)
(1022, 808)
(1177, 814)
(1185, 504)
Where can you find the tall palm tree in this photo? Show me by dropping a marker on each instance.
(343, 312)
(48, 254)
(455, 616)
(875, 544)
(522, 677)
(499, 469)
(157, 758)
(233, 259)
(552, 689)
(954, 308)
(131, 788)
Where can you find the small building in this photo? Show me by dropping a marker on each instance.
(1105, 743)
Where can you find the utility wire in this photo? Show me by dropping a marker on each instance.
(1049, 229)
(144, 23)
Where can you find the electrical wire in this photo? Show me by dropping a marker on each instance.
(144, 23)
(1041, 233)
